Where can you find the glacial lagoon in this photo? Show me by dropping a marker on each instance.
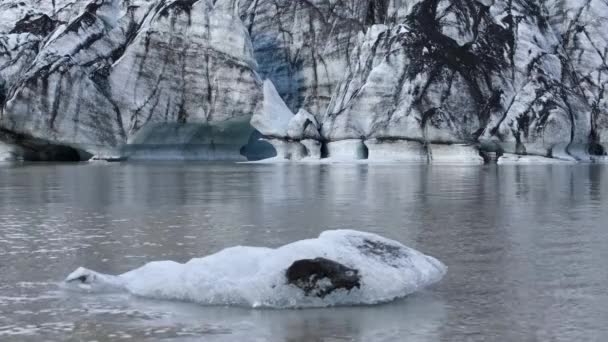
(526, 247)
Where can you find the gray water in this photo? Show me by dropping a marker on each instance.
(526, 246)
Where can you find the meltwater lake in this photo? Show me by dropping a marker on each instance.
(526, 247)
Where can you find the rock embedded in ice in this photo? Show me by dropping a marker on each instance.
(341, 267)
(320, 277)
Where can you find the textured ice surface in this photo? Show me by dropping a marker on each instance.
(303, 126)
(112, 68)
(255, 277)
(92, 74)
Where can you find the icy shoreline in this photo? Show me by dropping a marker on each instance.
(411, 152)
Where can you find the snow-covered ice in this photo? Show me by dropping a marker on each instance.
(258, 277)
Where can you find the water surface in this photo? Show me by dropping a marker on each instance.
(526, 247)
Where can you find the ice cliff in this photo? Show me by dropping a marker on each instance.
(99, 75)
(411, 80)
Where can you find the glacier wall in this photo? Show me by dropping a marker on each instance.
(413, 80)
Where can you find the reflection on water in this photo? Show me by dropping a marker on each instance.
(526, 247)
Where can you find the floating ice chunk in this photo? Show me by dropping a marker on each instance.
(340, 267)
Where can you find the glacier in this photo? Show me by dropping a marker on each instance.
(341, 267)
(437, 81)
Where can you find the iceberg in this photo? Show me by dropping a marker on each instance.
(341, 267)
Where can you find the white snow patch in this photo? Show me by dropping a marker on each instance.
(255, 277)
